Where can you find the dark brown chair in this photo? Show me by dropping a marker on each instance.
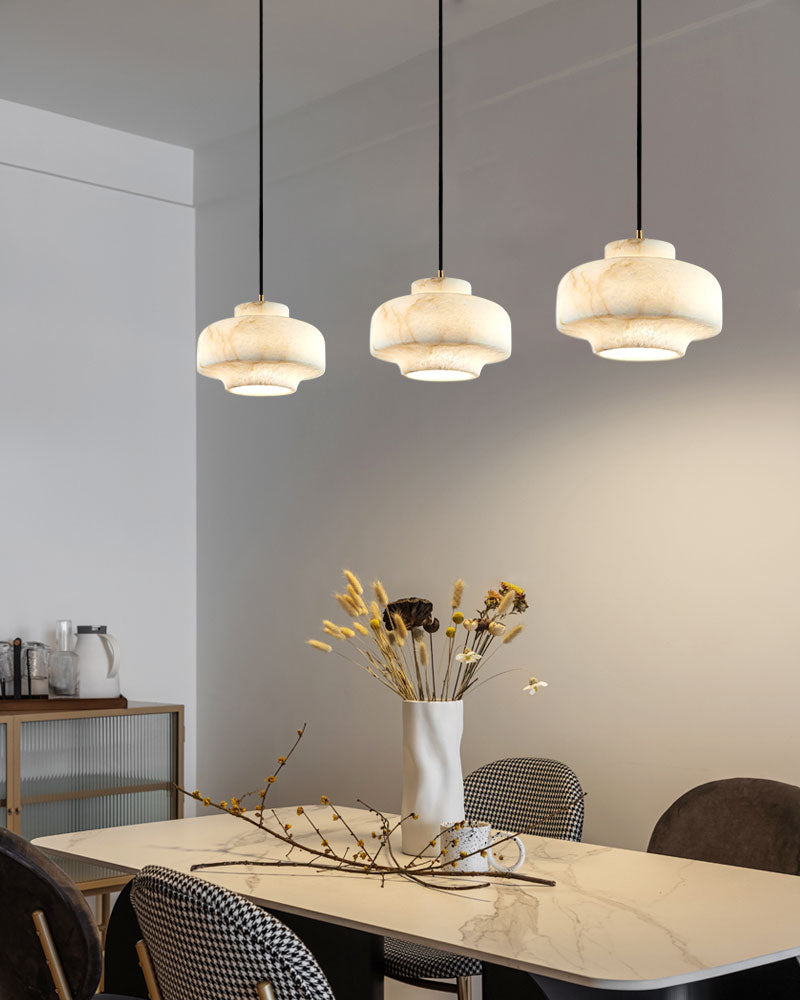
(49, 939)
(747, 822)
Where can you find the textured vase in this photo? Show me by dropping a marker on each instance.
(433, 785)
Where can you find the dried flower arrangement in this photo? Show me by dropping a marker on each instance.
(396, 644)
(373, 855)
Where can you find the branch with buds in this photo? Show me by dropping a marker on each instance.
(371, 854)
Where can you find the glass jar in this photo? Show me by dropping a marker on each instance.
(35, 656)
(6, 670)
(63, 678)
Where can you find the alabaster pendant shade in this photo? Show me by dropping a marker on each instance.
(261, 350)
(441, 332)
(639, 303)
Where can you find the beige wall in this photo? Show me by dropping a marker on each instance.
(650, 510)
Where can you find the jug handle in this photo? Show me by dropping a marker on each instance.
(113, 644)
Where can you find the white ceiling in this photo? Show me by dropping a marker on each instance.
(183, 70)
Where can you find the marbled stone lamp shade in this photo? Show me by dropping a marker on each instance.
(639, 303)
(261, 350)
(441, 332)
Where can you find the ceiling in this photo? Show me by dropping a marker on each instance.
(184, 70)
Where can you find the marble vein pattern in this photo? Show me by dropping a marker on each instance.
(616, 919)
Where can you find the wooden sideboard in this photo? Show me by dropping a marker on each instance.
(63, 771)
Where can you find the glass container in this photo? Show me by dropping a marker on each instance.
(63, 677)
(35, 656)
(6, 670)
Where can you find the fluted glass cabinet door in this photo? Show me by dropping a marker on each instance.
(87, 773)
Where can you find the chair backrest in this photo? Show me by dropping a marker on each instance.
(748, 822)
(526, 795)
(205, 941)
(29, 881)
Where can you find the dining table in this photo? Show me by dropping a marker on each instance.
(615, 920)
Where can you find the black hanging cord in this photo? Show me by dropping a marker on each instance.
(260, 150)
(639, 119)
(441, 139)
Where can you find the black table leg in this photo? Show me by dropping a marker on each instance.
(351, 960)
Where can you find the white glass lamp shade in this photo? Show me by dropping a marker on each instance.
(441, 332)
(639, 303)
(261, 350)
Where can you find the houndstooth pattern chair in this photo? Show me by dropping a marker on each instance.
(205, 941)
(518, 795)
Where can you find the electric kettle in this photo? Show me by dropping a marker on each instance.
(98, 662)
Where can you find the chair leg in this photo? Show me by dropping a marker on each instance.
(51, 955)
(148, 971)
(464, 987)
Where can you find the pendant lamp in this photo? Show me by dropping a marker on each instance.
(261, 350)
(639, 303)
(441, 332)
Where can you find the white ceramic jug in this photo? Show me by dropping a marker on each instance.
(98, 662)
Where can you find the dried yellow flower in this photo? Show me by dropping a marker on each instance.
(281, 760)
(458, 593)
(347, 605)
(196, 793)
(272, 779)
(224, 804)
(513, 633)
(506, 602)
(450, 631)
(354, 582)
(322, 646)
(299, 810)
(356, 601)
(462, 854)
(206, 802)
(400, 629)
(415, 815)
(287, 827)
(458, 618)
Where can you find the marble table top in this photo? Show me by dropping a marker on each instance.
(616, 919)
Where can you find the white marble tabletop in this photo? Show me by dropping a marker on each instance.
(616, 919)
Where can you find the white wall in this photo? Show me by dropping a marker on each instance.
(97, 395)
(650, 510)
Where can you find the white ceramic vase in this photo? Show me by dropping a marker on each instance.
(433, 785)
